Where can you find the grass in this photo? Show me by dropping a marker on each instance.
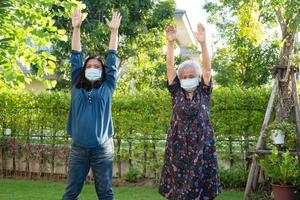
(47, 190)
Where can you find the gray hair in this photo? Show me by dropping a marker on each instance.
(187, 64)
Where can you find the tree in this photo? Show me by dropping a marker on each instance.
(27, 34)
(244, 63)
(287, 15)
(141, 33)
(247, 55)
(4, 4)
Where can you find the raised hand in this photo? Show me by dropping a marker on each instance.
(200, 34)
(171, 33)
(114, 23)
(77, 18)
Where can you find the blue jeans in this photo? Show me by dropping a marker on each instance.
(81, 159)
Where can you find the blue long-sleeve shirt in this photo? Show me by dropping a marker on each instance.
(90, 119)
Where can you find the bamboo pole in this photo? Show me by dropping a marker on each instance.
(254, 169)
(260, 143)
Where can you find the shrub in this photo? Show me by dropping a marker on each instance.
(234, 177)
(283, 169)
(133, 175)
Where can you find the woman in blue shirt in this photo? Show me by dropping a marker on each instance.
(90, 121)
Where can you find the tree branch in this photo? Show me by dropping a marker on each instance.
(282, 23)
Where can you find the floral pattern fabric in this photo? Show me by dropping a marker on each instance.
(190, 170)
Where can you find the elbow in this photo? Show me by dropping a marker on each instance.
(207, 73)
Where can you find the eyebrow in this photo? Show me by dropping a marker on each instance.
(90, 65)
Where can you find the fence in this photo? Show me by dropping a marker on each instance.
(38, 159)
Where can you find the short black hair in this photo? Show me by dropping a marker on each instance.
(83, 82)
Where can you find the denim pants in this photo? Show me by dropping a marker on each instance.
(100, 160)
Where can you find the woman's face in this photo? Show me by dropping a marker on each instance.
(94, 63)
(187, 73)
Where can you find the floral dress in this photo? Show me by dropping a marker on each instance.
(190, 170)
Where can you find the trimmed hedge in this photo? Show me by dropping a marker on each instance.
(140, 121)
(235, 112)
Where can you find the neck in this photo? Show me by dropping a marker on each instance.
(190, 94)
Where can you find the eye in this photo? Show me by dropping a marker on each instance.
(94, 66)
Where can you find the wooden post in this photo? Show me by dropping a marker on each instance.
(4, 164)
(297, 112)
(145, 160)
(155, 161)
(67, 152)
(254, 169)
(231, 161)
(130, 154)
(14, 155)
(53, 153)
(260, 143)
(245, 145)
(256, 177)
(119, 159)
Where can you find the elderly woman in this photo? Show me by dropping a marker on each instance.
(190, 170)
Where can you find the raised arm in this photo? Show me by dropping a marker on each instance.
(171, 36)
(76, 56)
(111, 60)
(206, 64)
(76, 23)
(114, 25)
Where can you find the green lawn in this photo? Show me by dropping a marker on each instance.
(47, 190)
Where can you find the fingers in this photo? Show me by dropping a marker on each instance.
(200, 27)
(171, 29)
(76, 12)
(171, 33)
(117, 16)
(107, 21)
(115, 20)
(114, 23)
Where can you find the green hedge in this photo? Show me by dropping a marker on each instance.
(235, 113)
(140, 121)
(31, 114)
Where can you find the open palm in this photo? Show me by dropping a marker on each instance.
(114, 23)
(76, 18)
(200, 34)
(171, 33)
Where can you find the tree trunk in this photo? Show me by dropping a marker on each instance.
(285, 92)
(297, 113)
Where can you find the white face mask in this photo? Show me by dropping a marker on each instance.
(189, 84)
(93, 74)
